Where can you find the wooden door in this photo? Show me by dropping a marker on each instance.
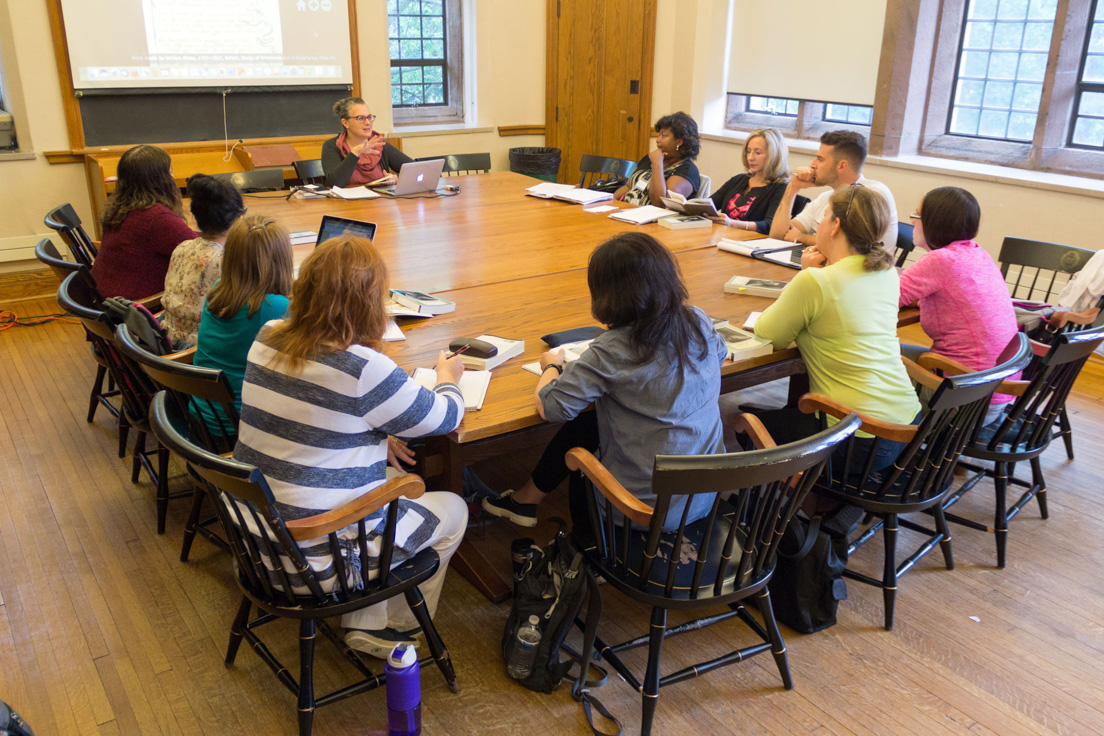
(599, 91)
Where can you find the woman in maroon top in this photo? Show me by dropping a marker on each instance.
(142, 224)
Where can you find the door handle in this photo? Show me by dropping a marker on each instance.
(630, 118)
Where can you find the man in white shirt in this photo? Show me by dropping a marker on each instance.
(838, 164)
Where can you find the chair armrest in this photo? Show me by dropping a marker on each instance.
(750, 425)
(1060, 319)
(811, 402)
(628, 504)
(936, 362)
(187, 355)
(924, 377)
(152, 302)
(1016, 388)
(319, 525)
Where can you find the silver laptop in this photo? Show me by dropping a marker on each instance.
(416, 177)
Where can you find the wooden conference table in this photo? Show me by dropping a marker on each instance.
(516, 267)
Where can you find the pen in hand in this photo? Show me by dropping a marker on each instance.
(456, 352)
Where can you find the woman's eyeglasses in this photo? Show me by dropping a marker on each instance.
(851, 199)
(363, 118)
(914, 216)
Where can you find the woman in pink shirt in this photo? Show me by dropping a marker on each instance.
(964, 303)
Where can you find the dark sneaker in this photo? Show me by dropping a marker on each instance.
(505, 507)
(380, 643)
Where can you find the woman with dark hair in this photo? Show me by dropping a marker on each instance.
(841, 310)
(320, 404)
(654, 378)
(142, 225)
(359, 155)
(670, 167)
(965, 307)
(195, 264)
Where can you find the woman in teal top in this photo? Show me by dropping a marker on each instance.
(252, 290)
(841, 310)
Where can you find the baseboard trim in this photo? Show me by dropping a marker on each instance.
(20, 286)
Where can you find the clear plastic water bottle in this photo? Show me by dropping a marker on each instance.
(525, 650)
(404, 692)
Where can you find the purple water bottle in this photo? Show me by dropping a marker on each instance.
(404, 692)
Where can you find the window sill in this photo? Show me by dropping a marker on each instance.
(416, 131)
(18, 156)
(1064, 183)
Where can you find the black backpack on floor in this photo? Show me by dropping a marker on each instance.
(807, 584)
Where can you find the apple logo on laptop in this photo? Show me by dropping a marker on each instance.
(420, 178)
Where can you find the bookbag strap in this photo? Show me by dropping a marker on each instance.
(811, 533)
(581, 687)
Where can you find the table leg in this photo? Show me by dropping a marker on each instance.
(472, 565)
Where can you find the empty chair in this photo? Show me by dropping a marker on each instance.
(78, 296)
(662, 561)
(64, 221)
(48, 254)
(1031, 268)
(463, 163)
(1062, 322)
(904, 243)
(1025, 430)
(310, 171)
(921, 476)
(205, 401)
(604, 168)
(276, 576)
(705, 186)
(258, 180)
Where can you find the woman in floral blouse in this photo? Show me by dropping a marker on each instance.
(196, 264)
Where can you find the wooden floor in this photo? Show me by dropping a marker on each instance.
(103, 630)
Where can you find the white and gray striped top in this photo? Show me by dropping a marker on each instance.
(320, 435)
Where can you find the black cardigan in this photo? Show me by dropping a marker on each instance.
(762, 208)
(339, 169)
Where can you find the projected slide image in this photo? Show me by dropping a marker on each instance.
(214, 43)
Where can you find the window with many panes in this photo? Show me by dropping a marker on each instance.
(798, 118)
(426, 60)
(1087, 130)
(1001, 68)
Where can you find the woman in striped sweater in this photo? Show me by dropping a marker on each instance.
(323, 412)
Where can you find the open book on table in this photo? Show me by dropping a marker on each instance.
(567, 193)
(572, 352)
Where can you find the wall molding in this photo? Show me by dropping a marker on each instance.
(504, 130)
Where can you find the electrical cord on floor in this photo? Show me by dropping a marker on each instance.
(9, 319)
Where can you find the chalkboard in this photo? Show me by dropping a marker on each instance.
(128, 118)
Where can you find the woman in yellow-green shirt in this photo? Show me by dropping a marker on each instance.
(841, 310)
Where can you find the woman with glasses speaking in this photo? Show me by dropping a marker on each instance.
(359, 155)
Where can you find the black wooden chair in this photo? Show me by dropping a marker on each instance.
(592, 168)
(258, 180)
(197, 392)
(64, 221)
(1031, 267)
(1024, 432)
(921, 477)
(310, 171)
(78, 296)
(46, 253)
(463, 163)
(1064, 322)
(717, 561)
(905, 245)
(274, 574)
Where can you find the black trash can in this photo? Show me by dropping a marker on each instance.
(539, 162)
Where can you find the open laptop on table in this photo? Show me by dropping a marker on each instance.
(332, 227)
(416, 177)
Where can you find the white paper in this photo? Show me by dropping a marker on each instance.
(473, 385)
(549, 189)
(749, 323)
(393, 332)
(354, 192)
(303, 237)
(600, 208)
(572, 352)
(642, 215)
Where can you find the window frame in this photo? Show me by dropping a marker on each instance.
(454, 109)
(808, 124)
(1081, 86)
(1048, 149)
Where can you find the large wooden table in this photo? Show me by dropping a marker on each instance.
(516, 267)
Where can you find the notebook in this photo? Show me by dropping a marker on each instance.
(567, 193)
(642, 215)
(572, 352)
(473, 385)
